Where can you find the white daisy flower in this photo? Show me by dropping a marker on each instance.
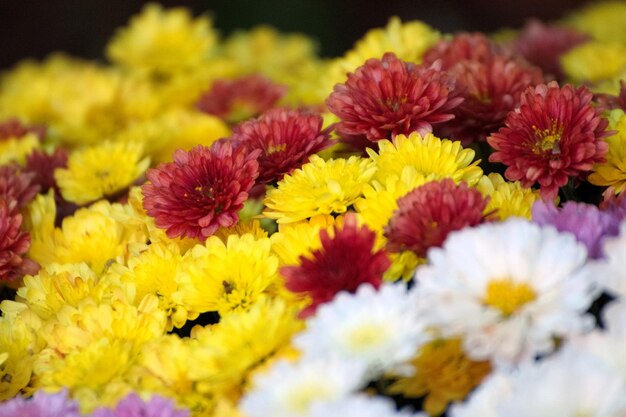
(608, 344)
(290, 389)
(380, 328)
(567, 384)
(509, 288)
(360, 405)
(610, 272)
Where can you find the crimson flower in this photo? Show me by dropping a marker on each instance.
(427, 214)
(13, 128)
(240, 99)
(543, 45)
(462, 47)
(201, 190)
(344, 262)
(14, 244)
(16, 187)
(43, 164)
(491, 89)
(387, 97)
(285, 140)
(555, 135)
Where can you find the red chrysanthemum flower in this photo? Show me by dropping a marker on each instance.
(556, 134)
(344, 262)
(462, 47)
(201, 190)
(427, 214)
(16, 187)
(543, 45)
(606, 102)
(491, 89)
(240, 99)
(387, 97)
(285, 139)
(42, 165)
(13, 128)
(14, 243)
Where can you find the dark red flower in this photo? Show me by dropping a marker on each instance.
(556, 134)
(427, 214)
(609, 102)
(344, 262)
(240, 99)
(16, 187)
(387, 97)
(491, 89)
(543, 45)
(13, 128)
(14, 243)
(201, 190)
(285, 139)
(43, 164)
(462, 47)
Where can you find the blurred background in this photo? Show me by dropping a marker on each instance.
(35, 28)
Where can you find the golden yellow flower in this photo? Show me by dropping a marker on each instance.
(603, 20)
(19, 345)
(17, 149)
(152, 270)
(101, 170)
(163, 41)
(443, 373)
(58, 285)
(242, 341)
(319, 187)
(92, 348)
(506, 199)
(427, 156)
(612, 173)
(242, 227)
(54, 93)
(164, 367)
(595, 62)
(91, 235)
(295, 240)
(229, 276)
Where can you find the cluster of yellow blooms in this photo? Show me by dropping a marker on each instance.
(100, 317)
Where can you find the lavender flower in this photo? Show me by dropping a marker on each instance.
(589, 224)
(133, 406)
(41, 405)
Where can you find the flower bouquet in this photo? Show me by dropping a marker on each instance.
(431, 224)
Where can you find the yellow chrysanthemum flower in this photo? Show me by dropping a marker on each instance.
(603, 20)
(242, 341)
(319, 187)
(296, 240)
(92, 348)
(163, 41)
(172, 130)
(507, 199)
(428, 156)
(58, 285)
(19, 345)
(91, 235)
(53, 93)
(407, 40)
(444, 373)
(242, 227)
(101, 170)
(152, 270)
(229, 276)
(612, 173)
(595, 62)
(17, 149)
(164, 367)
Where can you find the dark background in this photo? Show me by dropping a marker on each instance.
(34, 28)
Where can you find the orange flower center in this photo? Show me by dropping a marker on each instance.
(508, 296)
(547, 140)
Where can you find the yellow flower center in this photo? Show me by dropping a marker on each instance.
(508, 296)
(365, 337)
(300, 399)
(547, 140)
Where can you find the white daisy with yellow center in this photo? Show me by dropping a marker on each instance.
(379, 328)
(509, 288)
